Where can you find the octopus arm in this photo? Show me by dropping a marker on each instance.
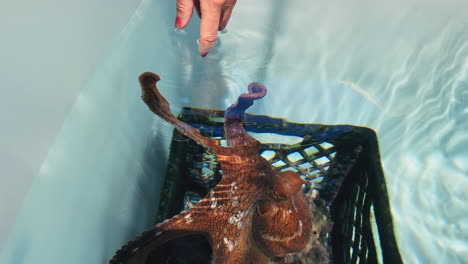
(236, 135)
(161, 107)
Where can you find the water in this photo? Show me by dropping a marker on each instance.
(399, 67)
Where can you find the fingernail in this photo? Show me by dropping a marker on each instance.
(204, 54)
(178, 22)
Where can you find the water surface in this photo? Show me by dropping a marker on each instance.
(398, 67)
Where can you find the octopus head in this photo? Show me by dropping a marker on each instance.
(282, 221)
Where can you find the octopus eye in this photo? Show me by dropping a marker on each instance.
(266, 208)
(280, 191)
(263, 208)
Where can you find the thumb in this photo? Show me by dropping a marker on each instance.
(184, 13)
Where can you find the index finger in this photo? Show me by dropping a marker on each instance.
(211, 15)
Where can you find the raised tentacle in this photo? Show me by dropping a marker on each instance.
(234, 117)
(160, 106)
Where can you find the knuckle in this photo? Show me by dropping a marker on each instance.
(210, 38)
(218, 3)
(182, 6)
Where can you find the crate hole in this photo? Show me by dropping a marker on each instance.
(322, 161)
(206, 172)
(311, 150)
(351, 251)
(317, 179)
(305, 166)
(191, 199)
(209, 157)
(361, 244)
(268, 154)
(295, 156)
(354, 233)
(290, 169)
(326, 145)
(355, 215)
(217, 119)
(279, 163)
(364, 194)
(314, 174)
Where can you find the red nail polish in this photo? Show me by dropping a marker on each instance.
(178, 22)
(204, 54)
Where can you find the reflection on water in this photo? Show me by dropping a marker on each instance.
(399, 67)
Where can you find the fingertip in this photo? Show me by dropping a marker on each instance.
(204, 49)
(211, 15)
(178, 23)
(206, 43)
(183, 13)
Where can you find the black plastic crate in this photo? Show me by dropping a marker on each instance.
(341, 163)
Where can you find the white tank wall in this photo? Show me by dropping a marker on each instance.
(48, 52)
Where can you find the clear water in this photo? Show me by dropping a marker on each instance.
(400, 67)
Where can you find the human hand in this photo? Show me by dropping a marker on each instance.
(214, 15)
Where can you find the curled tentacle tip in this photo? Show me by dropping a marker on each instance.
(148, 77)
(258, 89)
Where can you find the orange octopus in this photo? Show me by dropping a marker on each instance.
(254, 215)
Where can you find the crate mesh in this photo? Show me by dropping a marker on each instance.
(340, 163)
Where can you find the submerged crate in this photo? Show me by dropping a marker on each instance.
(340, 162)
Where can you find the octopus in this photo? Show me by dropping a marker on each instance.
(255, 214)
